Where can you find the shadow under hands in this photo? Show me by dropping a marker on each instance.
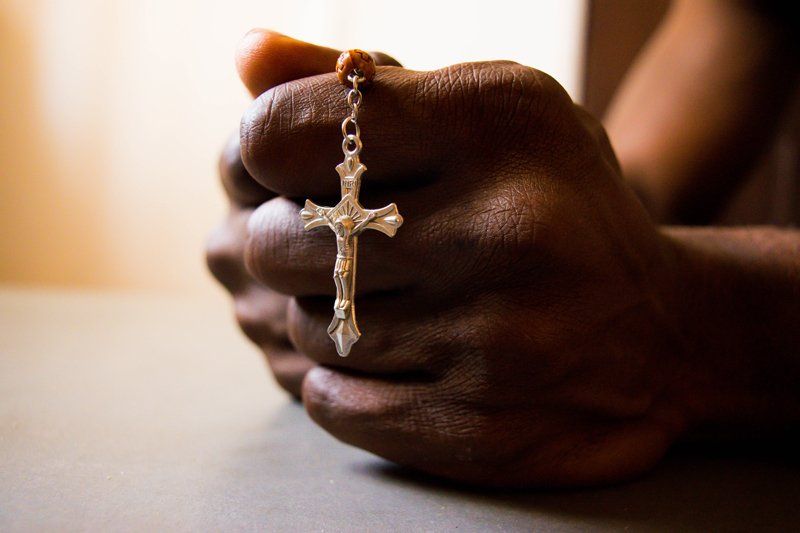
(285, 473)
(750, 486)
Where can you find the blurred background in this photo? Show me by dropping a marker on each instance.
(112, 114)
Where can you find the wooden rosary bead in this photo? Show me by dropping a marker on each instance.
(355, 60)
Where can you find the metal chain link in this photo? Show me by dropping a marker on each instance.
(351, 143)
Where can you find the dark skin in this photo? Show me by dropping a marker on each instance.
(529, 325)
(685, 145)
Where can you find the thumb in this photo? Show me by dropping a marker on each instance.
(266, 58)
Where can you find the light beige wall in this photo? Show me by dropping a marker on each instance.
(112, 113)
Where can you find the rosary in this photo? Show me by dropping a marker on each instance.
(349, 218)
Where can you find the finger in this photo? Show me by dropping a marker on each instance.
(261, 314)
(288, 367)
(394, 342)
(293, 261)
(353, 407)
(279, 136)
(440, 248)
(266, 58)
(426, 426)
(414, 125)
(240, 188)
(404, 422)
(225, 251)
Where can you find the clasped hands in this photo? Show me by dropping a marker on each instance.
(522, 329)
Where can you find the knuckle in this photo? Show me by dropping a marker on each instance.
(224, 255)
(254, 124)
(230, 156)
(340, 404)
(301, 332)
(289, 368)
(258, 323)
(237, 183)
(496, 98)
(320, 398)
(287, 113)
(263, 124)
(277, 247)
(265, 250)
(250, 321)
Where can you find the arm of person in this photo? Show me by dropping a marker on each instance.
(702, 103)
(738, 293)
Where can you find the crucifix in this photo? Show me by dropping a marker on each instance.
(347, 220)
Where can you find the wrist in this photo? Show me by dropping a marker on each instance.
(735, 295)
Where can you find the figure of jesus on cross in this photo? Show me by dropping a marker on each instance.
(348, 219)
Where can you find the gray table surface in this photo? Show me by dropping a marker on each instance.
(136, 412)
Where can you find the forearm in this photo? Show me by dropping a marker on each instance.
(701, 105)
(738, 293)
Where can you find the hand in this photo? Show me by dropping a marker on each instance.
(265, 59)
(518, 330)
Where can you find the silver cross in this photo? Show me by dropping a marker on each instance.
(348, 219)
